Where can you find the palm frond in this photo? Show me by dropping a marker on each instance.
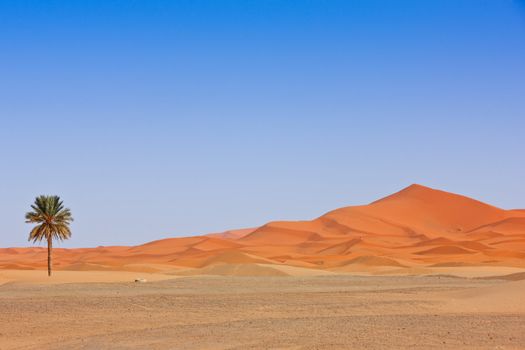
(52, 217)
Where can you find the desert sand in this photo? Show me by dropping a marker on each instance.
(418, 230)
(421, 268)
(225, 312)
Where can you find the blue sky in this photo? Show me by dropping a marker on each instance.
(167, 118)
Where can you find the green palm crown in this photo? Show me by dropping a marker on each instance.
(52, 217)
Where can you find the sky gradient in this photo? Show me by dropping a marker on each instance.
(157, 119)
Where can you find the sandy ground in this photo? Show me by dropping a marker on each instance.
(60, 277)
(307, 312)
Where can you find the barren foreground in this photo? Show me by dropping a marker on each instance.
(321, 312)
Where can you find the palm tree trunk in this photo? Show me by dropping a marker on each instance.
(49, 248)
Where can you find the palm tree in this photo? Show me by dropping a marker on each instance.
(53, 220)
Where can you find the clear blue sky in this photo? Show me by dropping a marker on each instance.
(167, 118)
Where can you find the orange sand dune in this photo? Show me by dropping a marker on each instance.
(416, 228)
(233, 234)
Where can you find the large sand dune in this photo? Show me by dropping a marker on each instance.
(416, 229)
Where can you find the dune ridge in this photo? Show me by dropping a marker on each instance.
(417, 227)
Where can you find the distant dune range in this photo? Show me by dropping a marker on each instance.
(416, 230)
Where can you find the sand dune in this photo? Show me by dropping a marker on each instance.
(233, 234)
(415, 229)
